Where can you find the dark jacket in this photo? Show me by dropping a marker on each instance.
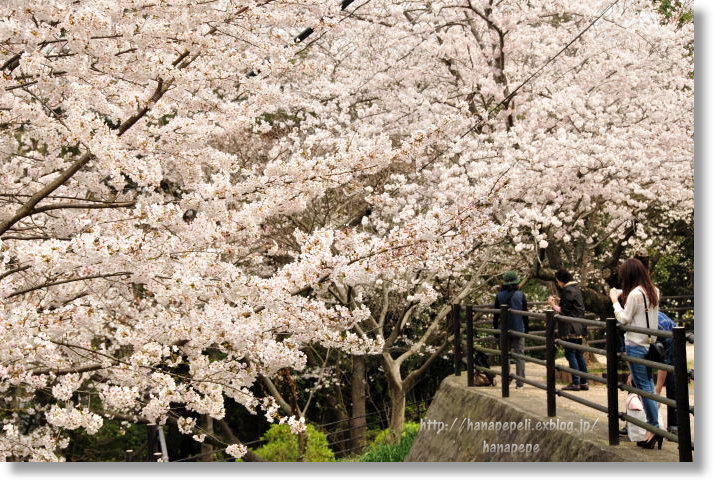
(571, 304)
(514, 298)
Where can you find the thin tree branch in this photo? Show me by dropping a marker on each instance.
(13, 271)
(411, 379)
(285, 406)
(27, 208)
(65, 371)
(55, 283)
(161, 89)
(250, 456)
(109, 205)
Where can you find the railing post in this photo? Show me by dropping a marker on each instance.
(681, 389)
(550, 361)
(611, 347)
(469, 346)
(505, 348)
(455, 313)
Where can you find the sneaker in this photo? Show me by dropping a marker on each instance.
(571, 387)
(584, 386)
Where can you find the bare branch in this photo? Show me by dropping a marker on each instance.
(27, 208)
(415, 374)
(250, 456)
(161, 89)
(445, 310)
(55, 283)
(108, 205)
(285, 406)
(64, 371)
(13, 271)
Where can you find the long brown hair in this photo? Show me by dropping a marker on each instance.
(633, 274)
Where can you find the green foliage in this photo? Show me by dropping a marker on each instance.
(414, 411)
(109, 444)
(273, 118)
(679, 12)
(674, 275)
(282, 445)
(673, 271)
(675, 10)
(381, 451)
(535, 290)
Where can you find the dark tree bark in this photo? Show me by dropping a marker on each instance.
(598, 303)
(207, 448)
(249, 456)
(358, 420)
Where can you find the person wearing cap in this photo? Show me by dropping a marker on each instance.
(509, 295)
(571, 304)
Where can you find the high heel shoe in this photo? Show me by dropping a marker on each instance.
(650, 444)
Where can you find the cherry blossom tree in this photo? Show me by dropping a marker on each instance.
(190, 196)
(123, 225)
(566, 126)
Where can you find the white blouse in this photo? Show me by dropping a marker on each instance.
(634, 314)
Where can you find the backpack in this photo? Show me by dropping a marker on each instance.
(481, 378)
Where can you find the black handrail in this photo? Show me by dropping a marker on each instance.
(612, 353)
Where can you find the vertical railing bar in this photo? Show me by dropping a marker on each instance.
(456, 313)
(469, 346)
(681, 389)
(505, 348)
(611, 347)
(550, 361)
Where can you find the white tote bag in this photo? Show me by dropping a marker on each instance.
(636, 410)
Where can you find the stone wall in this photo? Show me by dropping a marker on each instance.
(461, 425)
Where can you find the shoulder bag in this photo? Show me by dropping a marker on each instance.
(656, 352)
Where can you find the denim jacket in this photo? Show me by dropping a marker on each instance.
(516, 299)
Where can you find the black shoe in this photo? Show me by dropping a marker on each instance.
(623, 430)
(649, 444)
(584, 386)
(571, 387)
(674, 430)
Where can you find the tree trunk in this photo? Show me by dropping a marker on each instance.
(152, 443)
(397, 405)
(338, 419)
(358, 421)
(302, 446)
(207, 448)
(397, 397)
(598, 303)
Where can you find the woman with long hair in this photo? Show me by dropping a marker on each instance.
(641, 303)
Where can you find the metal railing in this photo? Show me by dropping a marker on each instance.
(613, 331)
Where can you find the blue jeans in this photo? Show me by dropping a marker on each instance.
(576, 360)
(642, 378)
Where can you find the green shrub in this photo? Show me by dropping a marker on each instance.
(381, 451)
(282, 445)
(416, 411)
